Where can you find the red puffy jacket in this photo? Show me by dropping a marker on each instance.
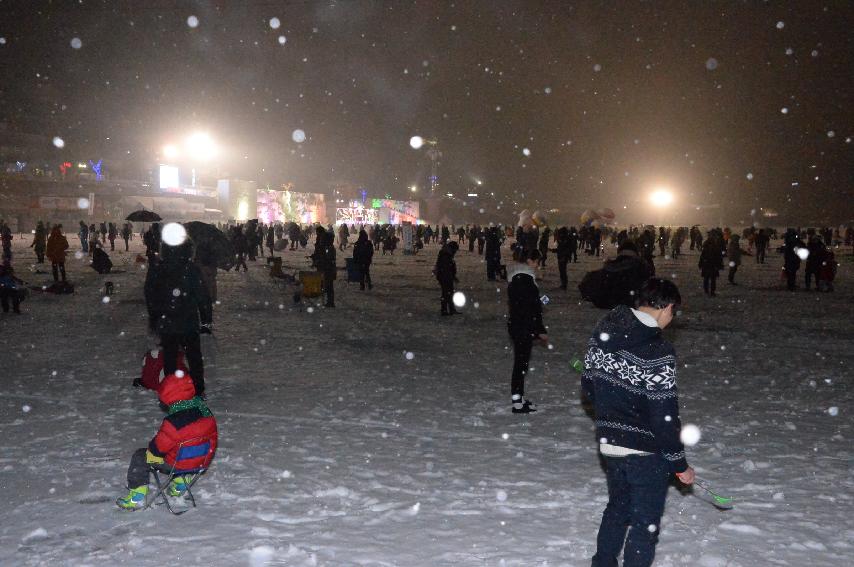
(188, 435)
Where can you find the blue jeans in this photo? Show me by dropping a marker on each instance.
(637, 488)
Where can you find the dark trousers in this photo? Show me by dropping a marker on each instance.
(760, 255)
(366, 277)
(808, 278)
(543, 255)
(480, 244)
(561, 268)
(139, 470)
(471, 244)
(127, 244)
(58, 269)
(491, 269)
(574, 256)
(710, 284)
(521, 358)
(732, 272)
(790, 279)
(112, 245)
(192, 347)
(329, 289)
(447, 296)
(637, 488)
(13, 294)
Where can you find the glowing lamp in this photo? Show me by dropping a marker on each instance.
(661, 198)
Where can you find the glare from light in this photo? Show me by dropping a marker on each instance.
(661, 197)
(416, 142)
(479, 182)
(201, 147)
(173, 234)
(414, 188)
(459, 299)
(170, 151)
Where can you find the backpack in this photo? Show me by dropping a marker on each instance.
(152, 369)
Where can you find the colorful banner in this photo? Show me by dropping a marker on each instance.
(352, 215)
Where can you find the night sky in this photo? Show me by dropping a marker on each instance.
(610, 99)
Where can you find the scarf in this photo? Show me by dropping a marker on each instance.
(196, 402)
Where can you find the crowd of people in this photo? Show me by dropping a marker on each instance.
(629, 370)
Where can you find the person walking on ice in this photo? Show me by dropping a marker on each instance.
(630, 379)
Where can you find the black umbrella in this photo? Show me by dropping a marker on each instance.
(212, 246)
(143, 216)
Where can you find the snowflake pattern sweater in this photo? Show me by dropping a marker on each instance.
(630, 377)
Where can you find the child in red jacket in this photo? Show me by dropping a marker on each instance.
(188, 419)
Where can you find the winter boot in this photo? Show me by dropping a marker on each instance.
(178, 486)
(135, 499)
(523, 406)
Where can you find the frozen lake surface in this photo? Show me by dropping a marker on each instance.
(338, 449)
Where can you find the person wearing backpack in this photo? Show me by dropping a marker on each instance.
(619, 280)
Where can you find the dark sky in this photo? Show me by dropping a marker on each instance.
(610, 98)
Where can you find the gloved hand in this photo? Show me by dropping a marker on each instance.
(206, 329)
(152, 459)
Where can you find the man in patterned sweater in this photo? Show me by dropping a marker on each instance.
(630, 378)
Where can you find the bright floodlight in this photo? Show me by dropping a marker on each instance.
(170, 151)
(173, 234)
(459, 299)
(661, 198)
(413, 188)
(416, 142)
(201, 147)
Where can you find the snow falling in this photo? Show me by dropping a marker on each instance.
(371, 430)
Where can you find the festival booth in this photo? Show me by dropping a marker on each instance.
(291, 206)
(394, 212)
(356, 215)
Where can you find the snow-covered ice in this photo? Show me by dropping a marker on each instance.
(337, 450)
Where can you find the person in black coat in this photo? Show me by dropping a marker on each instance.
(619, 280)
(446, 274)
(363, 254)
(573, 244)
(241, 247)
(493, 252)
(525, 322)
(270, 239)
(565, 249)
(543, 246)
(324, 261)
(179, 309)
(791, 260)
(101, 262)
(711, 263)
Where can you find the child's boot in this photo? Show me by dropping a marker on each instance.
(178, 486)
(134, 500)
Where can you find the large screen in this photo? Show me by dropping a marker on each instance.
(169, 177)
